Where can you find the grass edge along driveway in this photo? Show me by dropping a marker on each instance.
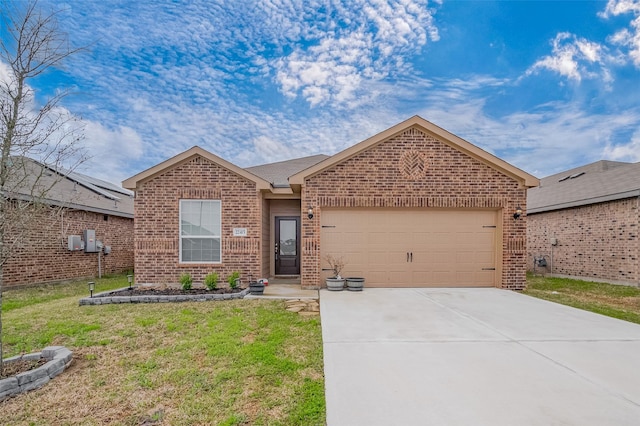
(617, 301)
(228, 363)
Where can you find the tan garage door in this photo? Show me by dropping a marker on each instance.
(413, 247)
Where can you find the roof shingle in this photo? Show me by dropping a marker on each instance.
(592, 183)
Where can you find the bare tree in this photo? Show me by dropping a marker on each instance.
(31, 43)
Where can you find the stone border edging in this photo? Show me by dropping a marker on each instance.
(104, 298)
(59, 359)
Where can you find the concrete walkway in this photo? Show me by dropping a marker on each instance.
(475, 357)
(285, 291)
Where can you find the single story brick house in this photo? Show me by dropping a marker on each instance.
(413, 206)
(72, 203)
(584, 223)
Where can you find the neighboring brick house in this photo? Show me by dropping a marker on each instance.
(584, 223)
(414, 206)
(73, 203)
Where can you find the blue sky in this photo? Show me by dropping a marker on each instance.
(545, 85)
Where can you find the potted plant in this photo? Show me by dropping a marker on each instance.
(211, 281)
(336, 282)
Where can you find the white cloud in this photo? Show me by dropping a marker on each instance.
(573, 57)
(629, 151)
(543, 140)
(111, 151)
(618, 7)
(5, 74)
(207, 74)
(629, 38)
(46, 132)
(364, 42)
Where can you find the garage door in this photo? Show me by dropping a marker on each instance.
(413, 247)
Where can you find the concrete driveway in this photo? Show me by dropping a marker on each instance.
(475, 357)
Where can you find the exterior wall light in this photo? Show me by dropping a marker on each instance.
(92, 286)
(130, 279)
(518, 213)
(310, 212)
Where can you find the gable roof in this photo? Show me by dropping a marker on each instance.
(59, 187)
(185, 156)
(450, 139)
(592, 183)
(278, 173)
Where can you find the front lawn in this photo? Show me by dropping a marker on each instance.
(616, 301)
(227, 363)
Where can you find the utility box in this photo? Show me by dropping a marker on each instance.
(90, 241)
(75, 243)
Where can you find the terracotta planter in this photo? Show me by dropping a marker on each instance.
(355, 283)
(335, 284)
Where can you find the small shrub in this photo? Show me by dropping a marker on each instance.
(186, 281)
(211, 281)
(234, 279)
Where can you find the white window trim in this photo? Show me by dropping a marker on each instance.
(180, 236)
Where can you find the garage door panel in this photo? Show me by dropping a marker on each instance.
(487, 258)
(440, 257)
(377, 238)
(485, 278)
(414, 247)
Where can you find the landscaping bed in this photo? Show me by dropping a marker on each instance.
(163, 295)
(167, 291)
(16, 367)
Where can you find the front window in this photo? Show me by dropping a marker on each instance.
(200, 231)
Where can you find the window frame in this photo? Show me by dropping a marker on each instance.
(209, 237)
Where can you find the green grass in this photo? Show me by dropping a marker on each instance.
(19, 298)
(617, 301)
(234, 362)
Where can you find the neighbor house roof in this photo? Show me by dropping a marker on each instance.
(59, 187)
(278, 173)
(592, 183)
(420, 123)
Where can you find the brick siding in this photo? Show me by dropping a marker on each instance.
(157, 257)
(596, 241)
(42, 255)
(391, 174)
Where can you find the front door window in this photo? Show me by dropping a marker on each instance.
(287, 246)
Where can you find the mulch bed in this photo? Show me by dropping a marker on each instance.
(153, 291)
(14, 368)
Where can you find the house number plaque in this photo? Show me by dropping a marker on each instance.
(239, 232)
